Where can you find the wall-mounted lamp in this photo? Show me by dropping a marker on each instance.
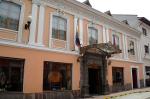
(27, 25)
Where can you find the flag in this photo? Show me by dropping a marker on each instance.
(77, 40)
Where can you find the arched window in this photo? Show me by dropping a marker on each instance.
(9, 15)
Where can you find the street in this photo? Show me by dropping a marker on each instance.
(144, 95)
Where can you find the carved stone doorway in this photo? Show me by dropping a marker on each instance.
(95, 55)
(93, 78)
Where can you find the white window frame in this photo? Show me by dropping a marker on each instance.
(144, 29)
(138, 76)
(92, 25)
(119, 35)
(135, 47)
(67, 32)
(148, 49)
(20, 25)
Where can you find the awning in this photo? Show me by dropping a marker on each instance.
(102, 48)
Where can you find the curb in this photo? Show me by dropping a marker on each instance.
(113, 97)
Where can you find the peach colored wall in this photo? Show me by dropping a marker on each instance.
(71, 32)
(8, 34)
(12, 35)
(46, 34)
(127, 71)
(110, 35)
(85, 32)
(85, 36)
(100, 27)
(27, 12)
(33, 68)
(48, 12)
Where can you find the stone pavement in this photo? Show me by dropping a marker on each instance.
(115, 95)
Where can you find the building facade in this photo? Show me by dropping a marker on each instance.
(38, 53)
(143, 25)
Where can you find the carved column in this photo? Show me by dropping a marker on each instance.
(84, 77)
(104, 73)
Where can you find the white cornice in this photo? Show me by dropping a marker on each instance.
(39, 48)
(102, 14)
(82, 10)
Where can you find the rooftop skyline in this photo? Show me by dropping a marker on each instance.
(135, 7)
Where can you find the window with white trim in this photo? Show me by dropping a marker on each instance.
(144, 31)
(93, 35)
(118, 77)
(131, 47)
(115, 40)
(9, 15)
(146, 47)
(59, 28)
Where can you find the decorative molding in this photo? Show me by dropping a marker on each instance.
(81, 31)
(20, 30)
(75, 30)
(33, 24)
(68, 29)
(80, 10)
(93, 25)
(41, 25)
(138, 75)
(17, 45)
(125, 60)
(104, 34)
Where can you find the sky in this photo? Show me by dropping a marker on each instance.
(135, 7)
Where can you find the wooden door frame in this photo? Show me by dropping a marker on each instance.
(138, 80)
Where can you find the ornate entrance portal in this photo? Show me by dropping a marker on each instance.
(93, 66)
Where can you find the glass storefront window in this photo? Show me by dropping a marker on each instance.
(57, 76)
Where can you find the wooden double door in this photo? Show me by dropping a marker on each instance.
(94, 80)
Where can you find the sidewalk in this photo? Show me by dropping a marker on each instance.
(114, 95)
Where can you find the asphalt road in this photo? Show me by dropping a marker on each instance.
(145, 95)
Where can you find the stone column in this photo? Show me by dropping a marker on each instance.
(106, 85)
(84, 77)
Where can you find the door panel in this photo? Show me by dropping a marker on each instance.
(134, 78)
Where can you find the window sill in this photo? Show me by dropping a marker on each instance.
(147, 56)
(58, 44)
(8, 30)
(59, 39)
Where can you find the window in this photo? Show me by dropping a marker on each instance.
(117, 75)
(93, 35)
(11, 74)
(131, 50)
(147, 75)
(57, 76)
(144, 31)
(146, 49)
(59, 28)
(9, 15)
(115, 40)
